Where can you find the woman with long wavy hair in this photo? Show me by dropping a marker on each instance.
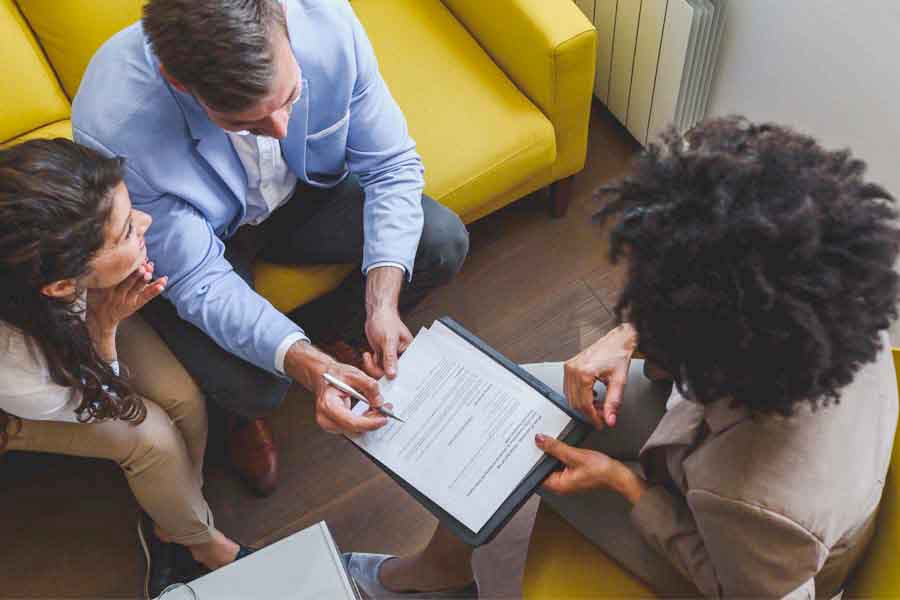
(73, 267)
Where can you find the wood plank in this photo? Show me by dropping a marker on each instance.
(69, 528)
(554, 328)
(606, 283)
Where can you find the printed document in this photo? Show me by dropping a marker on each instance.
(468, 437)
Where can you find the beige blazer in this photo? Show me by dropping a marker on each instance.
(771, 506)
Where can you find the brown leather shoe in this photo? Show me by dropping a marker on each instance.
(252, 452)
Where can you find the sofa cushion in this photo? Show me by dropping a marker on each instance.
(70, 31)
(478, 135)
(58, 129)
(29, 93)
(289, 287)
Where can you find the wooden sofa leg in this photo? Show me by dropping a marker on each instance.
(560, 196)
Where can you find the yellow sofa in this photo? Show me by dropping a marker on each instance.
(497, 94)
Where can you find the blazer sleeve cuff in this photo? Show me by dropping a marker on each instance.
(283, 348)
(385, 263)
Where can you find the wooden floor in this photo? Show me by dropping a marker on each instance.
(535, 288)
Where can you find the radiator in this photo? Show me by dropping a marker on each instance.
(655, 60)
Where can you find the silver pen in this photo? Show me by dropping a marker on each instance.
(331, 380)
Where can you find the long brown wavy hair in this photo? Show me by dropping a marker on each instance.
(55, 200)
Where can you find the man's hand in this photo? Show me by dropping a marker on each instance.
(333, 413)
(606, 360)
(307, 365)
(386, 332)
(389, 338)
(588, 469)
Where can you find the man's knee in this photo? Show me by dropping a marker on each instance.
(444, 243)
(251, 393)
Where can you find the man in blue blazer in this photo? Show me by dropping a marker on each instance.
(258, 129)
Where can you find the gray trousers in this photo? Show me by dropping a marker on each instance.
(316, 226)
(602, 515)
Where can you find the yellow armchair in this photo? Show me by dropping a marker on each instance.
(877, 576)
(30, 96)
(70, 31)
(549, 51)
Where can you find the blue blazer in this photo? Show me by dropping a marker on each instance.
(184, 172)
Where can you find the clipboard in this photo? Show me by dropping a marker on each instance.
(573, 435)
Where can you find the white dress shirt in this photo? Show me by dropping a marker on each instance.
(26, 388)
(270, 182)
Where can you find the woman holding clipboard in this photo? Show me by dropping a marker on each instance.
(761, 276)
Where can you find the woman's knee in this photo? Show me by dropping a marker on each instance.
(186, 403)
(154, 438)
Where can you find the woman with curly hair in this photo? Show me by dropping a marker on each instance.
(73, 268)
(760, 274)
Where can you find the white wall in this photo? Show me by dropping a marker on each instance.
(828, 67)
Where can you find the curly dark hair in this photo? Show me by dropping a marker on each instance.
(55, 200)
(760, 265)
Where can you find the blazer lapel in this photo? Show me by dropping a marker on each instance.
(679, 426)
(214, 146)
(676, 431)
(293, 147)
(679, 430)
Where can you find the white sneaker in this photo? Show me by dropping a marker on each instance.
(364, 569)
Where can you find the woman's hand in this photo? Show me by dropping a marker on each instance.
(108, 307)
(588, 469)
(607, 360)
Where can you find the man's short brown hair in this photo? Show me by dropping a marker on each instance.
(221, 50)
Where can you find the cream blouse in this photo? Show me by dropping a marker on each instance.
(26, 388)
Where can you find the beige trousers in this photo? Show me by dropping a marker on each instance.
(163, 456)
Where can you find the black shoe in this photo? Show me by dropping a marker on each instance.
(187, 569)
(161, 559)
